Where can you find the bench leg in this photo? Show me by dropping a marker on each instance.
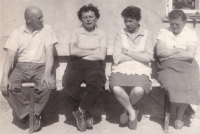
(31, 113)
(167, 106)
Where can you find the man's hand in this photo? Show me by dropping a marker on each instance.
(5, 85)
(49, 80)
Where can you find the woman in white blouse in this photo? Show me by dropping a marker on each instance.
(131, 74)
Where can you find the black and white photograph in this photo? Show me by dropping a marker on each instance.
(99, 66)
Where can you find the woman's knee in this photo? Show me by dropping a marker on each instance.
(117, 89)
(138, 91)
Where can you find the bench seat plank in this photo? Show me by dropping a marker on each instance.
(59, 84)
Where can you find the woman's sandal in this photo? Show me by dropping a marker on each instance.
(124, 118)
(178, 124)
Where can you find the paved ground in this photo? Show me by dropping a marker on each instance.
(60, 121)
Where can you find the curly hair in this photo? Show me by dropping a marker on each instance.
(174, 14)
(132, 12)
(87, 8)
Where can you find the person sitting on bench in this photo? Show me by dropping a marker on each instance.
(131, 73)
(88, 47)
(30, 52)
(178, 71)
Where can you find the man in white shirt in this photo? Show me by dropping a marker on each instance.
(29, 59)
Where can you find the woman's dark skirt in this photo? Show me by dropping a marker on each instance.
(124, 80)
(181, 80)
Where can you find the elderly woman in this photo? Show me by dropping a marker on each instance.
(131, 74)
(178, 70)
(88, 47)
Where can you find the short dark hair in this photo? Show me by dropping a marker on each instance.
(132, 12)
(87, 8)
(174, 14)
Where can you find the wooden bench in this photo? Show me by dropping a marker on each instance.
(62, 55)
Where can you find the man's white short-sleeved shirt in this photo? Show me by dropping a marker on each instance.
(185, 38)
(31, 47)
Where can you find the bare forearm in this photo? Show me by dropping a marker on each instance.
(7, 65)
(139, 56)
(184, 55)
(125, 58)
(95, 57)
(163, 52)
(49, 64)
(82, 52)
(167, 53)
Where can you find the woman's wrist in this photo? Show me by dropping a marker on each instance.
(126, 52)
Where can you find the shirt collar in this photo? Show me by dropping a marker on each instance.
(183, 30)
(95, 32)
(139, 32)
(25, 29)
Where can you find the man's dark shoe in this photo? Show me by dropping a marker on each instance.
(24, 120)
(189, 112)
(80, 120)
(89, 119)
(36, 123)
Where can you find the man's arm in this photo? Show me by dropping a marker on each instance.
(76, 51)
(48, 78)
(163, 52)
(5, 84)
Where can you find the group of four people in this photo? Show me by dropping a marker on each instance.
(30, 52)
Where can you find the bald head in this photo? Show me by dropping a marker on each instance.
(34, 17)
(31, 11)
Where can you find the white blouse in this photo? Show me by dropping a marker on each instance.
(142, 43)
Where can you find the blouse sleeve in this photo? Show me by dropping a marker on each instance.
(117, 50)
(103, 39)
(149, 48)
(161, 35)
(192, 38)
(74, 37)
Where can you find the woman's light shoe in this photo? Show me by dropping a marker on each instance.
(133, 124)
(124, 118)
(178, 124)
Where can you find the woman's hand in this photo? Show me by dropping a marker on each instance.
(124, 51)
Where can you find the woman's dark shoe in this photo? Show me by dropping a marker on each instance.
(88, 120)
(189, 112)
(178, 124)
(24, 120)
(80, 120)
